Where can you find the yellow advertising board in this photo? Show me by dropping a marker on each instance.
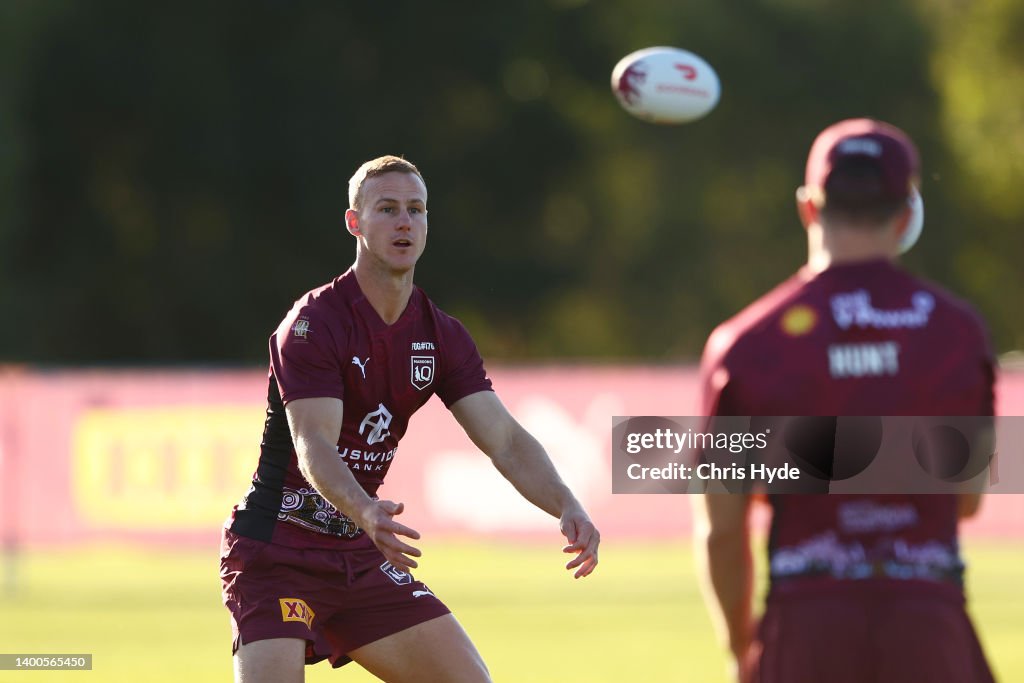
(169, 467)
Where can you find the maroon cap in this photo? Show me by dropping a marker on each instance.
(891, 148)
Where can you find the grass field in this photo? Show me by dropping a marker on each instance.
(155, 616)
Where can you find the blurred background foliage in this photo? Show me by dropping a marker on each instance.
(174, 174)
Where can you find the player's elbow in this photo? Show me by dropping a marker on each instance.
(306, 468)
(308, 463)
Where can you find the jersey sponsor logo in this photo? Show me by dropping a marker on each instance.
(361, 364)
(300, 328)
(423, 346)
(799, 320)
(378, 422)
(367, 461)
(296, 609)
(854, 309)
(420, 594)
(422, 371)
(827, 555)
(864, 360)
(395, 574)
(864, 517)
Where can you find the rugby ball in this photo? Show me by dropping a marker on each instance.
(665, 85)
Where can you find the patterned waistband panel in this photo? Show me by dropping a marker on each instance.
(308, 509)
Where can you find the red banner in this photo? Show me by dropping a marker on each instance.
(162, 455)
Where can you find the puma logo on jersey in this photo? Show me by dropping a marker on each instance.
(420, 594)
(361, 364)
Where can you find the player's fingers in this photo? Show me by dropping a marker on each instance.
(391, 507)
(587, 567)
(582, 566)
(587, 537)
(399, 554)
(586, 559)
(396, 552)
(581, 558)
(395, 545)
(394, 527)
(400, 561)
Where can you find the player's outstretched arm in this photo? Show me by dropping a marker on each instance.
(315, 424)
(523, 461)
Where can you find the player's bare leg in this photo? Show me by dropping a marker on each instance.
(436, 651)
(277, 660)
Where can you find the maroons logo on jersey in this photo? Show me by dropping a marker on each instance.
(395, 574)
(421, 371)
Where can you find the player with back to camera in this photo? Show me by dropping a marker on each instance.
(313, 565)
(840, 608)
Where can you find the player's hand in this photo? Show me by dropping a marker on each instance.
(583, 541)
(379, 524)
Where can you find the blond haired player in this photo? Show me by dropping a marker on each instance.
(313, 564)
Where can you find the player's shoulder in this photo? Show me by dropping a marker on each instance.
(760, 318)
(936, 308)
(958, 308)
(325, 308)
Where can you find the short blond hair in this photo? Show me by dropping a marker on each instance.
(375, 167)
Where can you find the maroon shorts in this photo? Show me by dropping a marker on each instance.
(868, 639)
(336, 600)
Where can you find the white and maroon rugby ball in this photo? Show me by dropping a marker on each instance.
(665, 85)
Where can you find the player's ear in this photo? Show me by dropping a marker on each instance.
(915, 223)
(903, 219)
(902, 224)
(352, 222)
(805, 207)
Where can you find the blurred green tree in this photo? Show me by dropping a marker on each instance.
(176, 172)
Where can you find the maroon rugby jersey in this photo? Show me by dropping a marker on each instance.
(334, 344)
(857, 339)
